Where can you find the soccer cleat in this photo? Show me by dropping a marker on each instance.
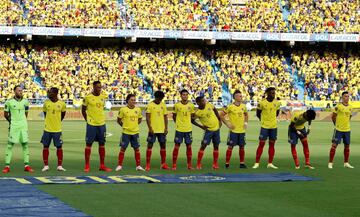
(28, 169)
(227, 165)
(139, 168)
(45, 168)
(330, 165)
(60, 168)
(347, 165)
(147, 168)
(104, 168)
(173, 167)
(199, 167)
(164, 166)
(215, 166)
(297, 167)
(272, 166)
(189, 167)
(309, 166)
(242, 166)
(256, 165)
(87, 169)
(118, 168)
(6, 169)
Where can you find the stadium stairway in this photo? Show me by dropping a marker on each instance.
(285, 12)
(225, 93)
(299, 83)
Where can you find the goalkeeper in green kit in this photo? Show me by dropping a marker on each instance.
(16, 111)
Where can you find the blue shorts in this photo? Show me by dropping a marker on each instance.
(338, 136)
(126, 139)
(181, 136)
(55, 137)
(268, 133)
(95, 133)
(209, 136)
(235, 139)
(152, 138)
(293, 136)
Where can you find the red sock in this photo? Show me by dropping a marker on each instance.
(200, 155)
(228, 155)
(259, 150)
(306, 151)
(137, 157)
(102, 154)
(163, 155)
(46, 156)
(59, 153)
(87, 155)
(188, 155)
(332, 153)
(242, 155)
(215, 156)
(346, 153)
(121, 157)
(175, 153)
(148, 156)
(294, 154)
(271, 151)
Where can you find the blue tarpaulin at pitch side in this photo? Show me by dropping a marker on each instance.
(25, 200)
(190, 178)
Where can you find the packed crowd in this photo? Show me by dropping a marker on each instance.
(333, 16)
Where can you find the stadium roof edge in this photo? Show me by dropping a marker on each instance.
(178, 34)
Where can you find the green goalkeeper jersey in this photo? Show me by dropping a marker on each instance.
(17, 110)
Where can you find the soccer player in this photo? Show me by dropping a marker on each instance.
(297, 131)
(54, 112)
(93, 113)
(267, 111)
(183, 111)
(237, 123)
(341, 119)
(211, 123)
(157, 122)
(129, 118)
(16, 111)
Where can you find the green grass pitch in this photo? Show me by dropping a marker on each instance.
(335, 194)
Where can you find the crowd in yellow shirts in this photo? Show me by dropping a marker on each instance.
(328, 74)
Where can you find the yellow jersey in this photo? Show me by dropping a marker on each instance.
(208, 118)
(268, 113)
(299, 120)
(236, 117)
(183, 116)
(95, 109)
(157, 113)
(342, 122)
(130, 118)
(53, 115)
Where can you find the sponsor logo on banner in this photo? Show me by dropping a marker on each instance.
(149, 33)
(173, 34)
(344, 37)
(198, 35)
(48, 31)
(99, 32)
(222, 35)
(124, 33)
(319, 37)
(23, 30)
(6, 30)
(271, 36)
(253, 36)
(295, 37)
(73, 32)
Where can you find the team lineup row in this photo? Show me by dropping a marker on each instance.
(206, 117)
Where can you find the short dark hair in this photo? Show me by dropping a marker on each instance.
(55, 89)
(236, 92)
(96, 82)
(16, 87)
(269, 89)
(128, 97)
(199, 98)
(310, 114)
(159, 94)
(345, 92)
(184, 91)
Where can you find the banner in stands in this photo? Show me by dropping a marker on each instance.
(251, 36)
